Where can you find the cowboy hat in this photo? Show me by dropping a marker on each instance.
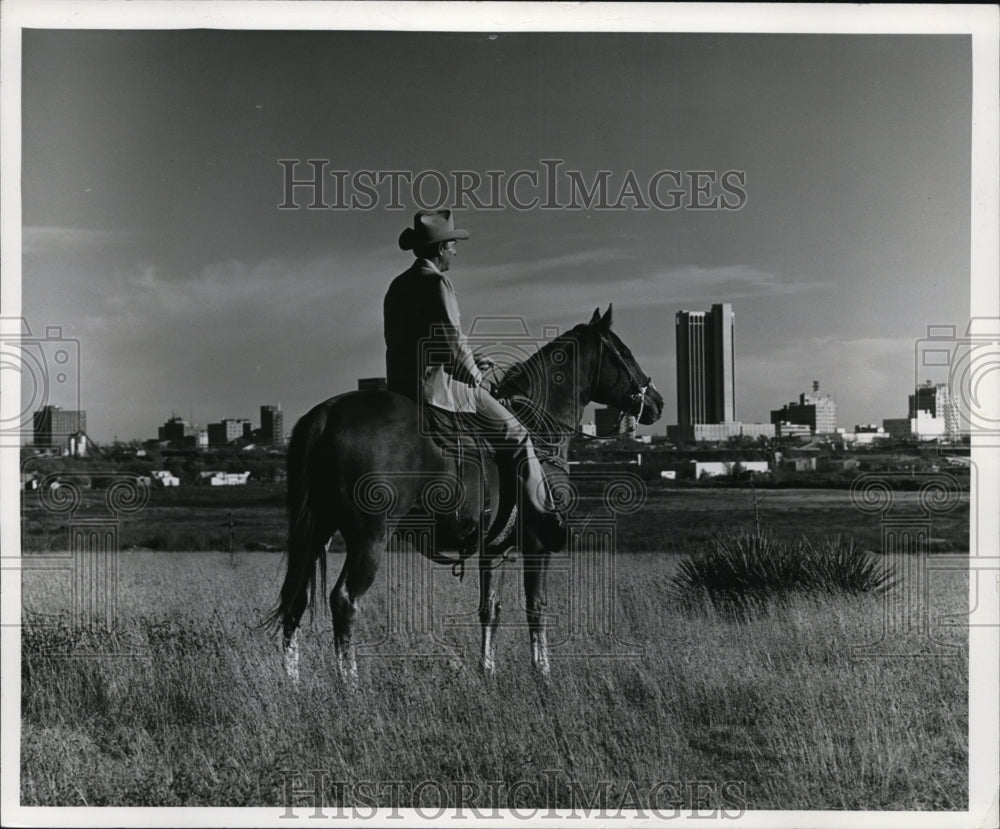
(429, 227)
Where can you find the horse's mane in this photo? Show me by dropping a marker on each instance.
(511, 380)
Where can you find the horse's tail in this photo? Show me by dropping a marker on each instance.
(303, 548)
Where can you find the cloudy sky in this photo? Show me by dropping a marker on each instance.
(152, 232)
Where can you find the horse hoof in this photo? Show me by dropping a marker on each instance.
(350, 678)
(541, 672)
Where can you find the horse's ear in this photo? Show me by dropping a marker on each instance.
(596, 318)
(607, 318)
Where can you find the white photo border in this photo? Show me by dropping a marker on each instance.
(979, 22)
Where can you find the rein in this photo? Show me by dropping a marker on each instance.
(549, 450)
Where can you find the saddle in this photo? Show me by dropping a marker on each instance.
(455, 434)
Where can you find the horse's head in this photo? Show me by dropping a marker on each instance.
(616, 378)
(604, 372)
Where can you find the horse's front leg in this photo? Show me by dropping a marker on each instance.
(536, 565)
(490, 585)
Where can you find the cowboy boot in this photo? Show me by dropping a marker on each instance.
(551, 530)
(542, 516)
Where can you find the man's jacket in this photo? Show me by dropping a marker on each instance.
(426, 355)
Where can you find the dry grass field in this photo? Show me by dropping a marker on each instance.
(186, 703)
(675, 518)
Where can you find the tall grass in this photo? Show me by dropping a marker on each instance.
(200, 713)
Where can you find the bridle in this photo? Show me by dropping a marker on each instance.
(638, 397)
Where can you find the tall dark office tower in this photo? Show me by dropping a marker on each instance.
(272, 425)
(706, 357)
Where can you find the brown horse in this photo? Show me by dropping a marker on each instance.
(359, 459)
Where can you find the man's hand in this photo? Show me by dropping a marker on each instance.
(483, 363)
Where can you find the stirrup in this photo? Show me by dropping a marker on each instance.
(497, 537)
(505, 551)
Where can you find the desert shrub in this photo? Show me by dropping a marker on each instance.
(842, 564)
(740, 571)
(749, 571)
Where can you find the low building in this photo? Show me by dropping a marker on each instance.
(924, 426)
(817, 411)
(164, 477)
(54, 425)
(188, 442)
(79, 445)
(718, 432)
(800, 464)
(783, 429)
(932, 415)
(175, 429)
(217, 478)
(228, 430)
(897, 427)
(863, 435)
(941, 411)
(126, 453)
(714, 469)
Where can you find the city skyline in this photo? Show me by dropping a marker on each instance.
(153, 234)
(814, 412)
(875, 417)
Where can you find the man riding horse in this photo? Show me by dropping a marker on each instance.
(428, 360)
(359, 461)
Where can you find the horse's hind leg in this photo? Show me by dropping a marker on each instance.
(364, 551)
(290, 637)
(297, 605)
